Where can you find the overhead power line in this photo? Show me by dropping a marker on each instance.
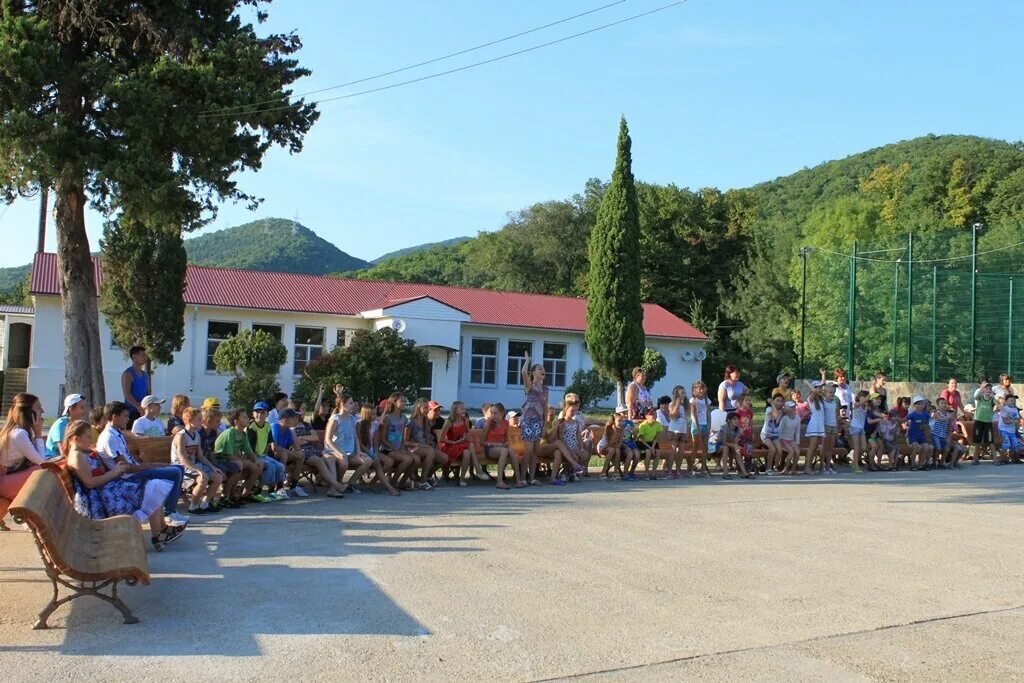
(242, 108)
(452, 71)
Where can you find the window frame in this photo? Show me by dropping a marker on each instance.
(549, 365)
(514, 376)
(307, 348)
(483, 368)
(210, 367)
(263, 326)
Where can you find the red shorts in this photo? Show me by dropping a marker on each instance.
(454, 451)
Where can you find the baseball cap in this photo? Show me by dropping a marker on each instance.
(211, 402)
(778, 377)
(287, 413)
(150, 400)
(70, 400)
(510, 414)
(816, 384)
(1009, 396)
(621, 410)
(433, 405)
(789, 404)
(918, 399)
(261, 405)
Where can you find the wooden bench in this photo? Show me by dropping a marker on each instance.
(83, 555)
(150, 449)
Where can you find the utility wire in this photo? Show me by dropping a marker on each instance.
(456, 70)
(243, 107)
(916, 261)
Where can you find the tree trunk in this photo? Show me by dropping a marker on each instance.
(620, 393)
(83, 363)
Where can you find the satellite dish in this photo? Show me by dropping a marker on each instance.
(687, 355)
(701, 354)
(398, 325)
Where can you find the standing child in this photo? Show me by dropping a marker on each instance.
(745, 411)
(917, 425)
(874, 418)
(831, 405)
(647, 439)
(610, 445)
(1009, 421)
(940, 427)
(789, 437)
(675, 418)
(984, 415)
(700, 406)
(771, 433)
(815, 431)
(858, 425)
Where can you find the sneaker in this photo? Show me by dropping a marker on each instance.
(262, 498)
(534, 482)
(605, 477)
(629, 477)
(175, 519)
(424, 486)
(558, 482)
(299, 491)
(482, 476)
(281, 494)
(579, 469)
(199, 511)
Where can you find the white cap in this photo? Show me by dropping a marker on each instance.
(918, 399)
(510, 414)
(150, 400)
(621, 410)
(70, 400)
(816, 384)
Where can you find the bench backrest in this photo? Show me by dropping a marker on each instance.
(63, 472)
(155, 449)
(44, 505)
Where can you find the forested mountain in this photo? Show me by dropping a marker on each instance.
(12, 277)
(729, 261)
(419, 247)
(275, 244)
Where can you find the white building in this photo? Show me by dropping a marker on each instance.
(475, 339)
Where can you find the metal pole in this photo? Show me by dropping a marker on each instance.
(803, 308)
(895, 316)
(910, 307)
(1009, 333)
(974, 293)
(852, 319)
(935, 307)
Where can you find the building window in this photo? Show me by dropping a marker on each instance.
(340, 339)
(217, 332)
(517, 352)
(274, 331)
(309, 345)
(555, 356)
(483, 362)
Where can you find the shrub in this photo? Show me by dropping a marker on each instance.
(591, 386)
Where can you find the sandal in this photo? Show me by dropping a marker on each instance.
(166, 537)
(726, 476)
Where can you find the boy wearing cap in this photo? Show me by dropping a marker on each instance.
(917, 437)
(149, 424)
(1009, 420)
(75, 408)
(284, 447)
(512, 417)
(260, 439)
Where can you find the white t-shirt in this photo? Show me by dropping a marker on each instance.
(145, 426)
(845, 394)
(110, 445)
(718, 417)
(1010, 416)
(701, 406)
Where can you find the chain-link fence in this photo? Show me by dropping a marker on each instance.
(925, 306)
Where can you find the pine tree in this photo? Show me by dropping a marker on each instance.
(615, 318)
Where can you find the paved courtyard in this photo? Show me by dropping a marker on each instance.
(907, 576)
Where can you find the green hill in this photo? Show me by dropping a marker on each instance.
(13, 277)
(729, 261)
(419, 247)
(275, 244)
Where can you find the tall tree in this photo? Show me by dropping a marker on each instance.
(143, 106)
(615, 318)
(143, 286)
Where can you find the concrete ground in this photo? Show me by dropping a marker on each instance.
(904, 576)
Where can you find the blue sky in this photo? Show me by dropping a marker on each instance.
(717, 93)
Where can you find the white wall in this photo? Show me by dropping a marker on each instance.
(679, 371)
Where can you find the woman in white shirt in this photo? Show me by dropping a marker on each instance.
(22, 446)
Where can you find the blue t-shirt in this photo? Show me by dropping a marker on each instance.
(55, 436)
(282, 436)
(915, 424)
(395, 434)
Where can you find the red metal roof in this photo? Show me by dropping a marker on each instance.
(336, 296)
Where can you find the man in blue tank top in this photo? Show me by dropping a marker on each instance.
(135, 382)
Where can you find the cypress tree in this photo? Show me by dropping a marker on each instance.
(615, 318)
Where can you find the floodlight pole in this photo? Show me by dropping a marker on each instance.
(910, 306)
(803, 307)
(935, 307)
(1009, 333)
(895, 315)
(852, 320)
(974, 293)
